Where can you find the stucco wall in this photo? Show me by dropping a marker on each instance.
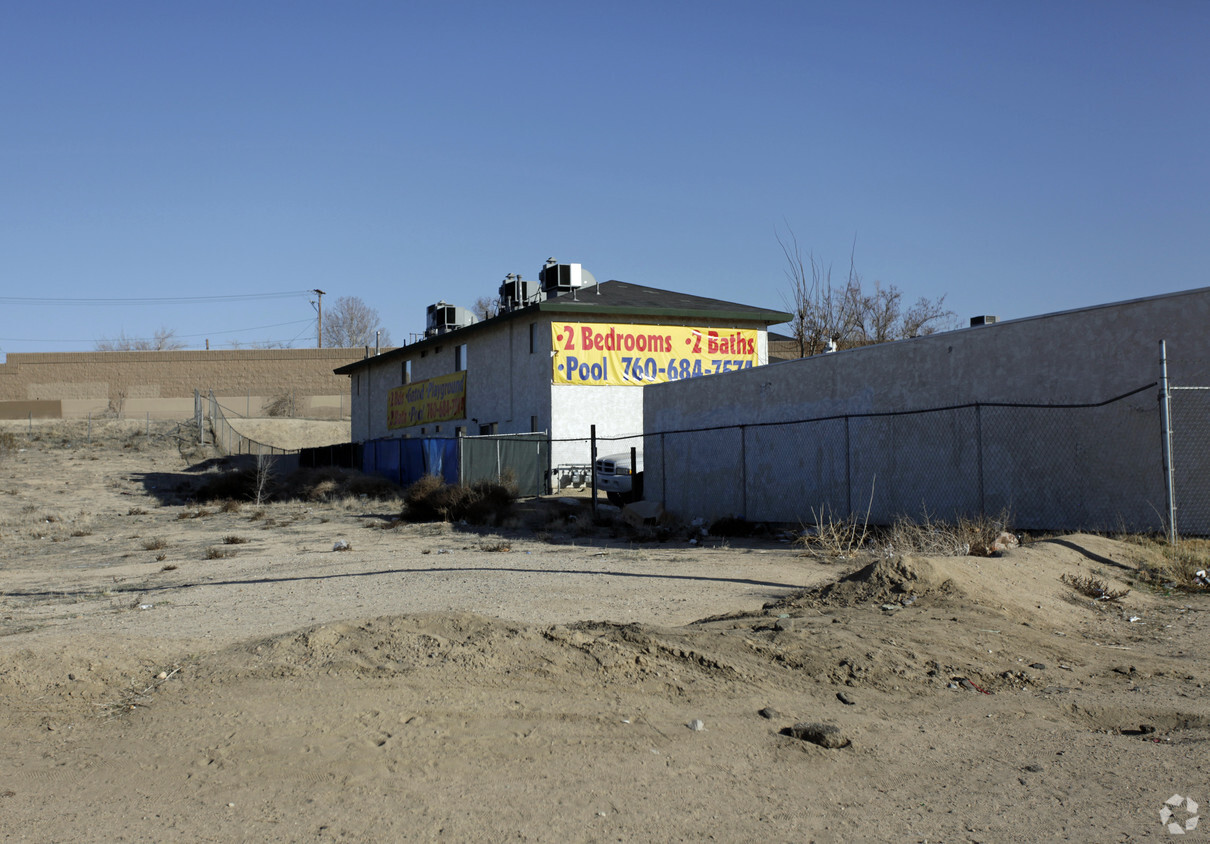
(162, 383)
(1082, 356)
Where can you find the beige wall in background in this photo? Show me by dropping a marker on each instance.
(161, 384)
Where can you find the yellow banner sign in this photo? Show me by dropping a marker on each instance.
(435, 400)
(597, 354)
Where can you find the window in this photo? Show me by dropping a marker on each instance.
(460, 431)
(407, 372)
(460, 358)
(533, 423)
(437, 430)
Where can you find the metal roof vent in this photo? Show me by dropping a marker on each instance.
(984, 320)
(516, 292)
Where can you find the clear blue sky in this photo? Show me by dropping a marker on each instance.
(1017, 157)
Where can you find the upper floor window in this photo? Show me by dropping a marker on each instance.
(460, 358)
(407, 372)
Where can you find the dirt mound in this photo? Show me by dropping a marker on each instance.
(888, 580)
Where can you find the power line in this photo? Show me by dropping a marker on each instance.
(176, 300)
(178, 336)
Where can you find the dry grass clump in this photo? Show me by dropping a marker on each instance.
(8, 442)
(155, 543)
(216, 553)
(978, 537)
(1169, 567)
(136, 511)
(234, 540)
(833, 536)
(1093, 588)
(844, 538)
(483, 502)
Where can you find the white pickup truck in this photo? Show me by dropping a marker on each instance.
(621, 482)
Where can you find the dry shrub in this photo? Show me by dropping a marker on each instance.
(215, 553)
(976, 537)
(332, 483)
(483, 502)
(229, 485)
(833, 536)
(155, 543)
(136, 511)
(8, 442)
(230, 506)
(234, 540)
(1090, 587)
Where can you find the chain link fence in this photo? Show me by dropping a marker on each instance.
(1190, 421)
(230, 441)
(1088, 466)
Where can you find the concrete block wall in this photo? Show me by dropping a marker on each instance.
(162, 383)
(1099, 469)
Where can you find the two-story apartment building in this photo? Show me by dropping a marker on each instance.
(564, 353)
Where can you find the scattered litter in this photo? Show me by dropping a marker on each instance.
(1133, 619)
(341, 545)
(146, 606)
(696, 725)
(1200, 577)
(891, 607)
(845, 699)
(970, 685)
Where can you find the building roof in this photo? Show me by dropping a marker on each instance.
(610, 298)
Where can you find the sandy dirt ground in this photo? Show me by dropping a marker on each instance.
(171, 671)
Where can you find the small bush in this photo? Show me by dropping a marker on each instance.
(8, 442)
(234, 540)
(483, 502)
(229, 485)
(215, 553)
(155, 543)
(1090, 587)
(230, 506)
(136, 511)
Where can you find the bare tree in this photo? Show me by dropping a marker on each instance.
(822, 312)
(849, 316)
(352, 323)
(486, 307)
(164, 340)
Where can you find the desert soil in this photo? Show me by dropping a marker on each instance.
(171, 671)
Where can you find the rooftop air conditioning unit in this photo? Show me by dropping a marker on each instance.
(516, 292)
(559, 278)
(442, 317)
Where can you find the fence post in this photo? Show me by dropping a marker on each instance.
(197, 415)
(1166, 432)
(979, 459)
(90, 427)
(538, 468)
(663, 474)
(743, 470)
(848, 471)
(592, 434)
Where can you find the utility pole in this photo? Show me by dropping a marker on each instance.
(319, 322)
